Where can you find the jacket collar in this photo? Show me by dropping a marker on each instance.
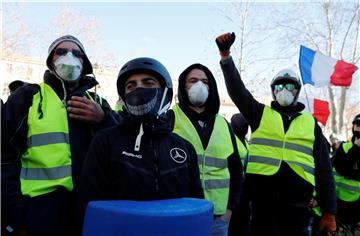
(85, 83)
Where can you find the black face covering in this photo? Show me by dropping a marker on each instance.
(143, 103)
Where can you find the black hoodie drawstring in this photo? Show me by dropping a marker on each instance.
(40, 104)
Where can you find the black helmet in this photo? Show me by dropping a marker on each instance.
(356, 119)
(286, 75)
(145, 65)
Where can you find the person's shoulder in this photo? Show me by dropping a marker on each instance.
(223, 117)
(23, 94)
(26, 89)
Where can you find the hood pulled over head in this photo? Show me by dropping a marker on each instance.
(212, 103)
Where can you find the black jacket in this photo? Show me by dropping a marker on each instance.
(252, 111)
(48, 212)
(113, 170)
(207, 119)
(240, 127)
(348, 164)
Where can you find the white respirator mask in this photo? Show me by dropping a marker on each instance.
(68, 67)
(198, 94)
(284, 97)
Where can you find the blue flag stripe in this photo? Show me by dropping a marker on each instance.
(306, 60)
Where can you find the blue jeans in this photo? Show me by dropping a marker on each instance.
(219, 227)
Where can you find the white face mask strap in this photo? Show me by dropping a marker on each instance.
(138, 138)
(162, 109)
(167, 106)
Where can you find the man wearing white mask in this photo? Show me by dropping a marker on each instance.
(197, 120)
(48, 129)
(288, 156)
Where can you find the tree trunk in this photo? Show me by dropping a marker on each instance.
(341, 110)
(332, 111)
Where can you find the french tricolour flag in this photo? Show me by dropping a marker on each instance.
(320, 70)
(318, 108)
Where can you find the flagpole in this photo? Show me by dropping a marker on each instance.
(302, 82)
(307, 98)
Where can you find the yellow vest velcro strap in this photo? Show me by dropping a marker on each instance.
(47, 138)
(45, 173)
(200, 159)
(264, 160)
(348, 187)
(306, 168)
(213, 161)
(279, 144)
(217, 183)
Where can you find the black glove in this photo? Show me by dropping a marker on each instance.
(224, 43)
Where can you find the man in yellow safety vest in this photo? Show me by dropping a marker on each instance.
(48, 128)
(346, 163)
(287, 155)
(196, 119)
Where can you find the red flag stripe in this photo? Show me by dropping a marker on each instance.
(342, 75)
(321, 111)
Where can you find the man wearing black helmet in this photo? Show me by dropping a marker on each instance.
(346, 163)
(141, 159)
(48, 128)
(288, 156)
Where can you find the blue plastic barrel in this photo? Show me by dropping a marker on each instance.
(183, 216)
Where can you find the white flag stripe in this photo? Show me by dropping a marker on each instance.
(322, 69)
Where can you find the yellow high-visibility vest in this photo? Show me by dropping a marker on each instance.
(46, 164)
(346, 189)
(213, 164)
(270, 145)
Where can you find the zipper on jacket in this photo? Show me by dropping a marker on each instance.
(155, 166)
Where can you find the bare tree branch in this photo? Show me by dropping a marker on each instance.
(347, 31)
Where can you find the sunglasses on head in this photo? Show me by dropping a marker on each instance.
(288, 87)
(62, 51)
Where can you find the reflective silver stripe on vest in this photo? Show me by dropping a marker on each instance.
(45, 173)
(47, 138)
(306, 168)
(276, 143)
(348, 187)
(267, 142)
(276, 162)
(217, 183)
(213, 162)
(264, 160)
(216, 162)
(299, 148)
